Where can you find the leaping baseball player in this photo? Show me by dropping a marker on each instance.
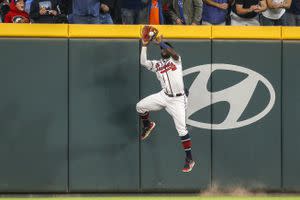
(172, 97)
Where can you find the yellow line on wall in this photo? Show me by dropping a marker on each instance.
(34, 30)
(133, 31)
(104, 31)
(290, 33)
(246, 32)
(185, 32)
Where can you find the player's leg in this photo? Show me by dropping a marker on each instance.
(153, 102)
(176, 108)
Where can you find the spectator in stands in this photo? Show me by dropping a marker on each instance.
(214, 12)
(186, 12)
(64, 9)
(17, 13)
(44, 11)
(115, 12)
(145, 12)
(134, 11)
(27, 5)
(245, 12)
(292, 15)
(4, 9)
(65, 6)
(88, 12)
(105, 8)
(166, 13)
(274, 15)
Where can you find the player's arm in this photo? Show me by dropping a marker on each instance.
(143, 58)
(170, 50)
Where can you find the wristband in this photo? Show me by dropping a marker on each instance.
(163, 45)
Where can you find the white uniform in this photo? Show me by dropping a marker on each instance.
(169, 73)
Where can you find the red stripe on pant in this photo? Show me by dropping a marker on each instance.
(187, 144)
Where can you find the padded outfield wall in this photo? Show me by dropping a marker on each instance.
(68, 120)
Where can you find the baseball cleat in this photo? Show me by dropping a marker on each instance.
(188, 165)
(147, 130)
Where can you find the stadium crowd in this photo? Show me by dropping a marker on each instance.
(181, 12)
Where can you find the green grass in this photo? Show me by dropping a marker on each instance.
(281, 197)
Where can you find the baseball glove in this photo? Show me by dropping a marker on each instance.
(148, 33)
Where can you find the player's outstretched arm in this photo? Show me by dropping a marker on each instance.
(144, 43)
(171, 51)
(143, 58)
(144, 61)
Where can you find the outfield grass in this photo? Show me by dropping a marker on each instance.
(281, 197)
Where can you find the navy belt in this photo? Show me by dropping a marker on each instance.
(174, 95)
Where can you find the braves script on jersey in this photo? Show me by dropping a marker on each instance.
(172, 97)
(168, 72)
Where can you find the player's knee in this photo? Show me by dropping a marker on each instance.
(139, 108)
(182, 132)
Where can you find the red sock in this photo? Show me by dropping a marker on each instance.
(187, 145)
(145, 119)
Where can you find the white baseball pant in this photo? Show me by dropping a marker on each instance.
(175, 106)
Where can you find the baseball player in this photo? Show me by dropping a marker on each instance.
(172, 97)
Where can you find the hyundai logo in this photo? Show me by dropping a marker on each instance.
(238, 96)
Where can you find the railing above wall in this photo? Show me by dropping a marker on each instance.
(133, 31)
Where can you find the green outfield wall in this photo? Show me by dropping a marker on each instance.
(68, 122)
(34, 115)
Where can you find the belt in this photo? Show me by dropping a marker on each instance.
(174, 95)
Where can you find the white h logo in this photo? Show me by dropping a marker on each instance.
(238, 96)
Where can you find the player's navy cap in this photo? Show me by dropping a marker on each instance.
(169, 44)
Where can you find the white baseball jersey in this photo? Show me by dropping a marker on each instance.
(169, 73)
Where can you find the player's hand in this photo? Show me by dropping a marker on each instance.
(148, 33)
(158, 39)
(145, 43)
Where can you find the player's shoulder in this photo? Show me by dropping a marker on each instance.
(178, 60)
(156, 61)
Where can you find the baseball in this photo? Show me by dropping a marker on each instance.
(151, 33)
